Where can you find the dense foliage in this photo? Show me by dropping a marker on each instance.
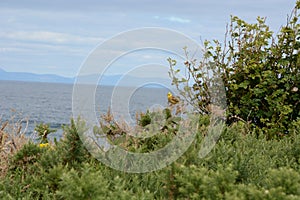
(260, 73)
(241, 166)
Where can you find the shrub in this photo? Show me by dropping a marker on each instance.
(26, 157)
(87, 184)
(71, 147)
(241, 166)
(284, 180)
(260, 74)
(43, 131)
(199, 183)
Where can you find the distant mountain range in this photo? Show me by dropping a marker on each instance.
(25, 76)
(87, 79)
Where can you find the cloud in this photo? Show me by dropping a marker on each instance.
(179, 20)
(11, 49)
(49, 37)
(62, 33)
(173, 19)
(187, 7)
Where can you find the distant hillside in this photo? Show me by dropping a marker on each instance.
(120, 80)
(25, 76)
(88, 79)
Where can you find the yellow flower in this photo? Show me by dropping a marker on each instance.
(171, 99)
(43, 145)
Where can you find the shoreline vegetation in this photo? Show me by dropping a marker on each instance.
(242, 165)
(257, 155)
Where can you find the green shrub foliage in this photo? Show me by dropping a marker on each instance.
(240, 166)
(43, 130)
(71, 146)
(260, 73)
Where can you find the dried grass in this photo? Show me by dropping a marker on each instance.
(12, 139)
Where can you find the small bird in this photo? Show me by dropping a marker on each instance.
(171, 99)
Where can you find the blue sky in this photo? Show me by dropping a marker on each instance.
(57, 36)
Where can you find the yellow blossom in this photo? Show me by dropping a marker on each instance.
(43, 145)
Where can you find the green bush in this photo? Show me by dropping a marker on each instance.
(240, 166)
(71, 147)
(26, 157)
(199, 183)
(43, 131)
(89, 183)
(260, 73)
(284, 180)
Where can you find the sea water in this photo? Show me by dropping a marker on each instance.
(32, 103)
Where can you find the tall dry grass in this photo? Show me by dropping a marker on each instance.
(12, 139)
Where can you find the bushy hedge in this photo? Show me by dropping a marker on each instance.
(260, 73)
(241, 166)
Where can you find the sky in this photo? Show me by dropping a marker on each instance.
(57, 37)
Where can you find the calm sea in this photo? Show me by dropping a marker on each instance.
(52, 102)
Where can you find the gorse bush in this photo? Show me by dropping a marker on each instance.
(164, 123)
(43, 130)
(71, 146)
(259, 73)
(241, 166)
